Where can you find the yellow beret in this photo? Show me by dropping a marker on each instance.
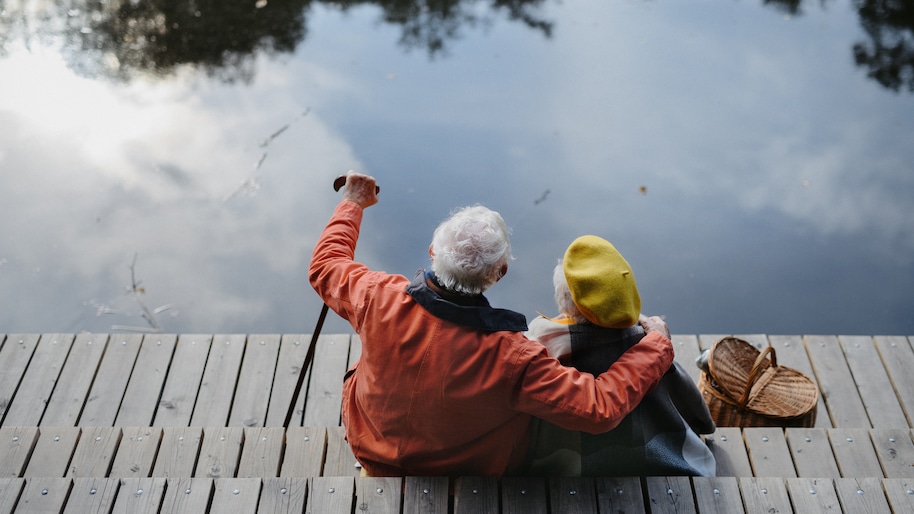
(601, 282)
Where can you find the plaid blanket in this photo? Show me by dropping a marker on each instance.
(659, 438)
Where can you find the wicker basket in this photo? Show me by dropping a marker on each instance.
(744, 388)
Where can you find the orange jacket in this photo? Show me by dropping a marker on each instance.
(433, 397)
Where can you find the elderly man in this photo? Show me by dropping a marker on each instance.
(447, 384)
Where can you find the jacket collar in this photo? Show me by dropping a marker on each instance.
(471, 311)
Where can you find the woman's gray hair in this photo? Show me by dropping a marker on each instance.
(471, 249)
(563, 300)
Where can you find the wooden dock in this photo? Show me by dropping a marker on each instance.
(128, 423)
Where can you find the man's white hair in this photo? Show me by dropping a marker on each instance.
(471, 249)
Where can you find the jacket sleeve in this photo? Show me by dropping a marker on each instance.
(574, 400)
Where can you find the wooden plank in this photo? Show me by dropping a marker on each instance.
(523, 495)
(764, 494)
(304, 455)
(38, 382)
(475, 495)
(107, 391)
(791, 352)
(873, 383)
(687, 351)
(94, 453)
(292, 351)
(144, 388)
(670, 495)
(813, 495)
(900, 493)
(92, 495)
(325, 387)
(239, 495)
(283, 496)
(425, 495)
(717, 495)
(330, 494)
(898, 358)
(217, 390)
(52, 452)
(768, 452)
(812, 453)
(15, 355)
(187, 494)
(836, 382)
(180, 391)
(729, 450)
(137, 452)
(261, 453)
(249, 408)
(854, 452)
(573, 495)
(861, 495)
(72, 388)
(10, 489)
(43, 495)
(220, 452)
(139, 496)
(16, 444)
(895, 451)
(339, 460)
(378, 494)
(706, 340)
(619, 494)
(177, 457)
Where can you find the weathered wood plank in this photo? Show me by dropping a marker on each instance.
(304, 455)
(10, 489)
(573, 495)
(104, 399)
(475, 495)
(619, 494)
(898, 358)
(854, 452)
(236, 495)
(339, 460)
(425, 495)
(92, 495)
(330, 494)
(523, 495)
(670, 495)
(139, 496)
(187, 495)
(729, 450)
(292, 351)
(873, 382)
(183, 382)
(43, 495)
(137, 452)
(15, 354)
(261, 453)
(38, 382)
(791, 352)
(895, 451)
(813, 495)
(325, 387)
(283, 496)
(249, 408)
(144, 388)
(899, 493)
(764, 494)
(768, 452)
(16, 445)
(94, 453)
(52, 452)
(687, 350)
(861, 495)
(845, 407)
(72, 388)
(217, 389)
(716, 495)
(812, 453)
(220, 452)
(177, 457)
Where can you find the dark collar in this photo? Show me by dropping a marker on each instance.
(471, 311)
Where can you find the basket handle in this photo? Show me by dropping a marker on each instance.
(756, 372)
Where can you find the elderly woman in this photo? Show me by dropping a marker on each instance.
(596, 294)
(447, 384)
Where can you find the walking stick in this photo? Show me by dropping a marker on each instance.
(337, 184)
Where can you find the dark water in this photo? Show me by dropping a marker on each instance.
(167, 165)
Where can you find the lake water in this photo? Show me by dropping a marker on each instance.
(165, 167)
